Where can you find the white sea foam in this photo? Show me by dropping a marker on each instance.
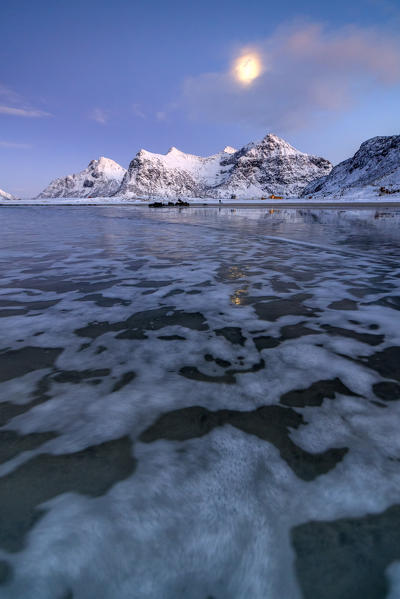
(209, 516)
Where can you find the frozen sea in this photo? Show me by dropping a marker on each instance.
(200, 403)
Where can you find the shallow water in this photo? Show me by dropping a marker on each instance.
(199, 404)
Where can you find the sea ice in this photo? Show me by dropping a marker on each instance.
(220, 391)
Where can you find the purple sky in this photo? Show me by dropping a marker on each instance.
(84, 79)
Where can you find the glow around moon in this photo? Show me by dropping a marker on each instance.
(247, 68)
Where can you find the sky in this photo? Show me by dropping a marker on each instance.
(83, 79)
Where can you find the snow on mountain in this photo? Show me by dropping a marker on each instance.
(270, 166)
(175, 174)
(102, 178)
(376, 163)
(6, 196)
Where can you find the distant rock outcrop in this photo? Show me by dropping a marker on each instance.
(6, 196)
(375, 164)
(102, 178)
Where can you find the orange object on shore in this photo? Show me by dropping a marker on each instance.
(272, 197)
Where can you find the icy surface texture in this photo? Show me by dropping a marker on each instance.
(199, 404)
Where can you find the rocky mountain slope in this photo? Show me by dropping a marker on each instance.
(175, 174)
(102, 178)
(6, 196)
(376, 163)
(270, 166)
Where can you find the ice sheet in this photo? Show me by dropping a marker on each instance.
(116, 323)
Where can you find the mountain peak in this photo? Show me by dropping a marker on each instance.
(273, 143)
(229, 150)
(380, 142)
(101, 178)
(103, 162)
(274, 137)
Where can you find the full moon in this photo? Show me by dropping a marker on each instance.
(247, 68)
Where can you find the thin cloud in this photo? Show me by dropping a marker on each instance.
(16, 145)
(24, 112)
(99, 115)
(308, 71)
(9, 95)
(13, 104)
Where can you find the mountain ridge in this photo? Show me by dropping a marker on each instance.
(270, 166)
(375, 164)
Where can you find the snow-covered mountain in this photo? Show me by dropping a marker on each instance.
(176, 174)
(102, 178)
(6, 196)
(270, 166)
(376, 163)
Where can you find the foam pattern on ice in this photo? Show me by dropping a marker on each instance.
(281, 326)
